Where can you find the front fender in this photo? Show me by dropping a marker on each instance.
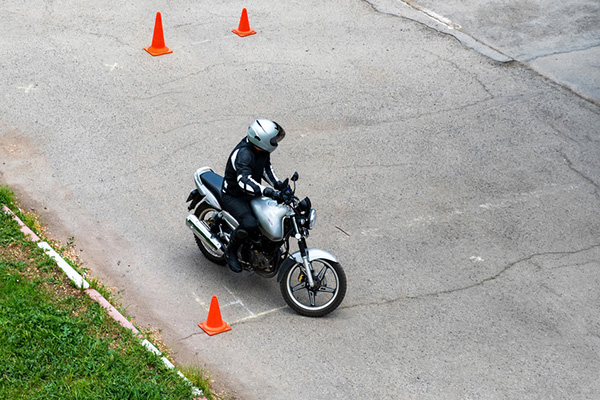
(296, 258)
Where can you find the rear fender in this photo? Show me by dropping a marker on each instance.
(296, 258)
(195, 197)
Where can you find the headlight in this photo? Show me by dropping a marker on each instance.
(312, 218)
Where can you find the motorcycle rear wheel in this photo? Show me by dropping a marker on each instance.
(326, 296)
(205, 212)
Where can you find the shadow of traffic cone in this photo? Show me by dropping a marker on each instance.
(214, 324)
(158, 40)
(244, 27)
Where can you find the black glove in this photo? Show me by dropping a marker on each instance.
(278, 185)
(274, 194)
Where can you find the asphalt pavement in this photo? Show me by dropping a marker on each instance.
(452, 154)
(559, 40)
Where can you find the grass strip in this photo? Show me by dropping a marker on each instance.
(56, 343)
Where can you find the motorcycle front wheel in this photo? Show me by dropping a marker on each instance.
(205, 212)
(324, 297)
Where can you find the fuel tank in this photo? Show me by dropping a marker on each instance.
(270, 217)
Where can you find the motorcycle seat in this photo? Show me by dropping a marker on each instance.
(213, 182)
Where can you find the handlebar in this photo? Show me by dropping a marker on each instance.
(287, 193)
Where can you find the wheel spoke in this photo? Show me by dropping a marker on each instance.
(311, 296)
(326, 289)
(322, 273)
(299, 286)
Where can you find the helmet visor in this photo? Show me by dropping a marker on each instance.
(279, 137)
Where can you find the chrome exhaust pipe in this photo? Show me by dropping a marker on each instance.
(202, 232)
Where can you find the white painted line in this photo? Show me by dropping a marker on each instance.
(150, 347)
(168, 363)
(199, 301)
(195, 391)
(27, 89)
(62, 264)
(441, 19)
(253, 316)
(433, 15)
(237, 301)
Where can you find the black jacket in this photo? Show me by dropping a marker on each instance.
(245, 169)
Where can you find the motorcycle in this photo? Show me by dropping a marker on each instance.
(311, 281)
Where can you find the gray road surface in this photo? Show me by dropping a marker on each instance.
(560, 40)
(459, 192)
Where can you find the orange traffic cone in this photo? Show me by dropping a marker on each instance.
(158, 40)
(244, 27)
(214, 324)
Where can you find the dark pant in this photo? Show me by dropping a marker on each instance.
(239, 208)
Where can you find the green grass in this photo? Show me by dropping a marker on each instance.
(56, 343)
(7, 197)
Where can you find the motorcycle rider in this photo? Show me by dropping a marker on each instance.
(248, 163)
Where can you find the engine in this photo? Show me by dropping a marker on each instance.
(259, 261)
(262, 254)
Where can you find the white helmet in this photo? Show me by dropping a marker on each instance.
(265, 134)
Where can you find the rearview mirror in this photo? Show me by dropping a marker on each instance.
(295, 177)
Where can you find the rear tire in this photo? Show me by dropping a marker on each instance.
(205, 212)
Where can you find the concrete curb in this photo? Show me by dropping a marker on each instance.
(81, 283)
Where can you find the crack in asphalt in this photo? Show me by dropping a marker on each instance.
(453, 30)
(577, 265)
(162, 94)
(581, 174)
(505, 269)
(534, 57)
(446, 27)
(559, 132)
(189, 336)
(464, 70)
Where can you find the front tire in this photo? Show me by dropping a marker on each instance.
(205, 212)
(326, 296)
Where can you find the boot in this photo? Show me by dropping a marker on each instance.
(237, 237)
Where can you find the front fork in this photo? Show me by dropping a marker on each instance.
(302, 246)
